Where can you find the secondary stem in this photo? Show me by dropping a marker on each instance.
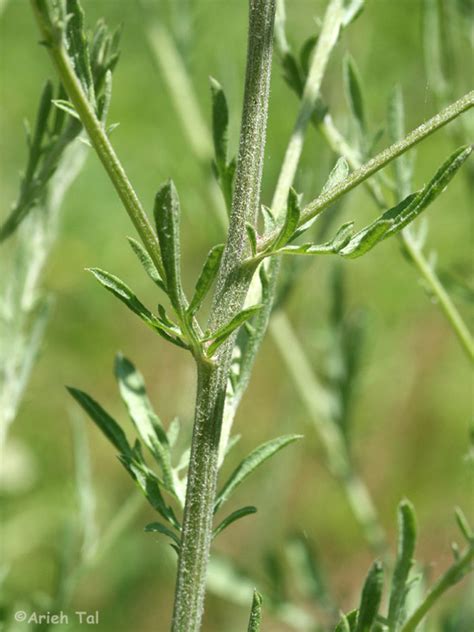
(451, 577)
(232, 286)
(339, 145)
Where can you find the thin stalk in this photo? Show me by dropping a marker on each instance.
(451, 577)
(340, 146)
(382, 159)
(319, 404)
(98, 138)
(232, 286)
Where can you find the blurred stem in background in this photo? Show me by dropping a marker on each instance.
(24, 305)
(315, 397)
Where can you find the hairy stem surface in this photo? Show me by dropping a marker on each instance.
(232, 286)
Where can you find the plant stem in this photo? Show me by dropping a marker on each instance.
(319, 404)
(451, 577)
(232, 286)
(382, 159)
(340, 146)
(98, 137)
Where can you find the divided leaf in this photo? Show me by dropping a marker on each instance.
(404, 562)
(103, 420)
(235, 515)
(78, 47)
(370, 599)
(166, 212)
(206, 278)
(251, 463)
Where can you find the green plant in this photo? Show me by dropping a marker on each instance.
(233, 269)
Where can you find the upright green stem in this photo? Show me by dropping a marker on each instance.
(232, 286)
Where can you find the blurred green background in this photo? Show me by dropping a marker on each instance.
(413, 405)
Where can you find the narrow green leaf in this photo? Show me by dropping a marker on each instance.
(463, 525)
(125, 294)
(291, 221)
(404, 562)
(339, 172)
(252, 237)
(173, 431)
(434, 188)
(41, 128)
(220, 123)
(149, 484)
(255, 620)
(66, 106)
(337, 243)
(206, 278)
(370, 599)
(306, 52)
(79, 46)
(269, 221)
(103, 420)
(133, 392)
(251, 463)
(157, 527)
(220, 336)
(147, 262)
(366, 239)
(353, 88)
(352, 10)
(347, 622)
(166, 212)
(235, 515)
(291, 73)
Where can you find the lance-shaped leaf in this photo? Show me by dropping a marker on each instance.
(150, 429)
(255, 620)
(103, 420)
(337, 243)
(251, 463)
(339, 172)
(235, 515)
(219, 336)
(157, 527)
(125, 294)
(149, 484)
(353, 87)
(147, 262)
(404, 562)
(292, 218)
(220, 123)
(166, 212)
(366, 239)
(206, 278)
(370, 599)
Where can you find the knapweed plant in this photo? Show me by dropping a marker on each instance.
(239, 280)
